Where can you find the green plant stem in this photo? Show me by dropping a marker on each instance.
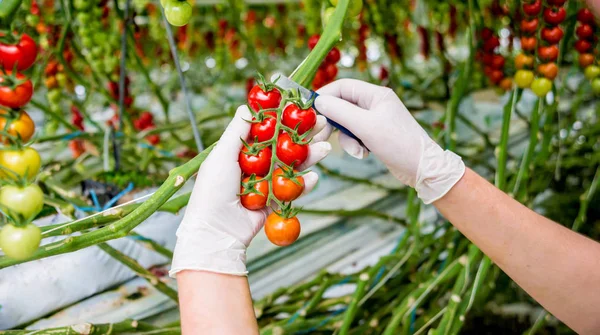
(109, 216)
(585, 201)
(53, 115)
(500, 180)
(87, 328)
(140, 271)
(357, 180)
(355, 213)
(150, 244)
(122, 227)
(533, 139)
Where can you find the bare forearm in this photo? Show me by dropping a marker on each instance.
(213, 303)
(556, 266)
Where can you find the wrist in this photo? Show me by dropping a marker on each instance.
(439, 170)
(201, 247)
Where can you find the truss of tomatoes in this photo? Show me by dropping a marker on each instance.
(277, 146)
(20, 199)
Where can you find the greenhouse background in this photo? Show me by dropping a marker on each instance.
(121, 101)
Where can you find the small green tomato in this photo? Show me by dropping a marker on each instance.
(20, 242)
(592, 71)
(541, 86)
(178, 13)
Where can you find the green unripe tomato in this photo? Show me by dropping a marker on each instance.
(524, 78)
(20, 242)
(592, 72)
(32, 20)
(54, 96)
(541, 86)
(596, 86)
(178, 13)
(81, 4)
(19, 163)
(22, 203)
(82, 18)
(354, 7)
(61, 78)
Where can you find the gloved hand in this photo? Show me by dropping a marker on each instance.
(216, 229)
(377, 116)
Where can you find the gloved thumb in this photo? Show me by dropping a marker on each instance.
(343, 112)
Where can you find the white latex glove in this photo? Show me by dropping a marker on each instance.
(377, 116)
(216, 229)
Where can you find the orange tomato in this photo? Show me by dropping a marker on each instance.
(506, 84)
(282, 231)
(586, 59)
(523, 61)
(255, 201)
(548, 70)
(20, 127)
(528, 43)
(284, 188)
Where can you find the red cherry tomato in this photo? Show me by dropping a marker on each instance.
(552, 35)
(290, 153)
(529, 26)
(333, 56)
(320, 79)
(257, 98)
(255, 201)
(585, 16)
(153, 139)
(17, 97)
(582, 46)
(497, 62)
(281, 231)
(257, 164)
(264, 130)
(496, 76)
(486, 33)
(331, 71)
(585, 31)
(554, 16)
(548, 53)
(294, 116)
(491, 44)
(532, 9)
(312, 41)
(23, 54)
(284, 188)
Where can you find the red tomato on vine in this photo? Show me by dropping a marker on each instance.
(17, 92)
(253, 200)
(294, 116)
(255, 161)
(259, 98)
(23, 53)
(264, 130)
(289, 152)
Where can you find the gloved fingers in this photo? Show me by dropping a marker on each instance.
(229, 145)
(316, 152)
(358, 92)
(352, 147)
(343, 112)
(322, 130)
(310, 181)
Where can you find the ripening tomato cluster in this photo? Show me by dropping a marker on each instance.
(328, 69)
(587, 39)
(76, 145)
(492, 60)
(20, 199)
(256, 159)
(146, 122)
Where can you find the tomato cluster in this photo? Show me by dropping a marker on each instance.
(277, 138)
(328, 69)
(492, 60)
(20, 199)
(146, 122)
(587, 38)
